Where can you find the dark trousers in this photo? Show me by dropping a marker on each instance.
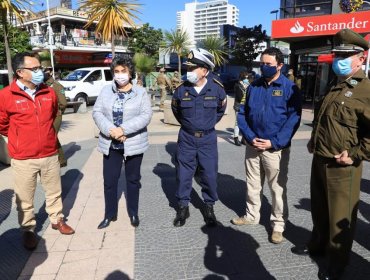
(112, 165)
(193, 153)
(335, 192)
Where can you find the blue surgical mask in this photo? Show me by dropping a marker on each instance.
(192, 77)
(268, 71)
(37, 77)
(246, 82)
(342, 67)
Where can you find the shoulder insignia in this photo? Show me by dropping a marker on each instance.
(180, 84)
(218, 82)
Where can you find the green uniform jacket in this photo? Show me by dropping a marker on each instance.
(62, 101)
(342, 120)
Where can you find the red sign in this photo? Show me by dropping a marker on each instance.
(320, 25)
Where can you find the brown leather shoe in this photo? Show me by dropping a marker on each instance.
(63, 227)
(30, 240)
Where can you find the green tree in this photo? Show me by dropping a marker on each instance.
(217, 47)
(146, 40)
(248, 45)
(178, 42)
(111, 16)
(14, 9)
(143, 65)
(18, 39)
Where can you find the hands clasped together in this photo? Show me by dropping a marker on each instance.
(261, 144)
(117, 133)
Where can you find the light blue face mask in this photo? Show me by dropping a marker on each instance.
(37, 77)
(245, 81)
(342, 67)
(192, 77)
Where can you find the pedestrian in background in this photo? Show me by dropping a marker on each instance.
(268, 121)
(175, 80)
(163, 83)
(62, 104)
(240, 89)
(122, 113)
(340, 141)
(198, 104)
(28, 108)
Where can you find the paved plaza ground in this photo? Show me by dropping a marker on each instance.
(156, 249)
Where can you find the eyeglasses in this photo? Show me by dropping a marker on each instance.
(33, 69)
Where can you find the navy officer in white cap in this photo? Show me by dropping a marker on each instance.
(198, 104)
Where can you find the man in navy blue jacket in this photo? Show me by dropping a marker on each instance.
(268, 121)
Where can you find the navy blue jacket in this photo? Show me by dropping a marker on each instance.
(271, 112)
(199, 112)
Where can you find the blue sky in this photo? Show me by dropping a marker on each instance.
(162, 13)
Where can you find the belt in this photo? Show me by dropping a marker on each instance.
(198, 133)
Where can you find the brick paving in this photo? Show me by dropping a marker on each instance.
(157, 250)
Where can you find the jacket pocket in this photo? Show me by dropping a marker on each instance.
(187, 108)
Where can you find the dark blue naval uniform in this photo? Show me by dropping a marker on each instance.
(197, 141)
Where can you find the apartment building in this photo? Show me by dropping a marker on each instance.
(202, 19)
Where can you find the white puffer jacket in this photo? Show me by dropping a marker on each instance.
(137, 113)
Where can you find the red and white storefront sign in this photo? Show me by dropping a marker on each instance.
(320, 25)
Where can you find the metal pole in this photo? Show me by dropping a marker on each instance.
(50, 37)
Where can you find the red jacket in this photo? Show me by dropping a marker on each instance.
(27, 123)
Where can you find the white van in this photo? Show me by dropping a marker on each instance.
(85, 84)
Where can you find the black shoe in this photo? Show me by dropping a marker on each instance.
(329, 275)
(181, 216)
(244, 141)
(237, 142)
(30, 240)
(209, 216)
(134, 220)
(106, 222)
(304, 251)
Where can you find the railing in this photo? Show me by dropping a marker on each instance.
(61, 41)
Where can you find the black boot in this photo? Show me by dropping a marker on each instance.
(209, 216)
(237, 142)
(181, 216)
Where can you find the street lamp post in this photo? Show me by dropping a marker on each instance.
(275, 12)
(50, 37)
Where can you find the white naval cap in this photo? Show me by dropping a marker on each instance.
(200, 57)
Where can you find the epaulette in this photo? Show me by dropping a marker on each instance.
(180, 84)
(218, 82)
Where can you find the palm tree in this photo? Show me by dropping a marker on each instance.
(111, 16)
(12, 8)
(143, 65)
(216, 46)
(178, 42)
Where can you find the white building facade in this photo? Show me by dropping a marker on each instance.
(202, 19)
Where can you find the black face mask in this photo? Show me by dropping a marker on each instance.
(46, 76)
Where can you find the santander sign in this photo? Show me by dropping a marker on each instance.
(320, 25)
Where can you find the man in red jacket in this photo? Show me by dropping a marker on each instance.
(27, 111)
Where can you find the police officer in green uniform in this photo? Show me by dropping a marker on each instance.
(340, 141)
(62, 104)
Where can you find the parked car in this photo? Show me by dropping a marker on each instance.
(4, 79)
(85, 84)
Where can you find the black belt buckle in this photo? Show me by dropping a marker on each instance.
(198, 134)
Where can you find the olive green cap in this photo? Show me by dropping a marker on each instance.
(347, 40)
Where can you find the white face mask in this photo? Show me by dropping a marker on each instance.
(121, 78)
(192, 77)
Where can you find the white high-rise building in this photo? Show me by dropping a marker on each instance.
(202, 19)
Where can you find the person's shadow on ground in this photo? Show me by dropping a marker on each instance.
(5, 203)
(13, 256)
(117, 275)
(232, 253)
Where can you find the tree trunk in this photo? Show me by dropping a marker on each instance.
(6, 45)
(179, 60)
(113, 37)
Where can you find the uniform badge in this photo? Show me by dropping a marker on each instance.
(348, 94)
(277, 92)
(190, 55)
(353, 82)
(186, 94)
